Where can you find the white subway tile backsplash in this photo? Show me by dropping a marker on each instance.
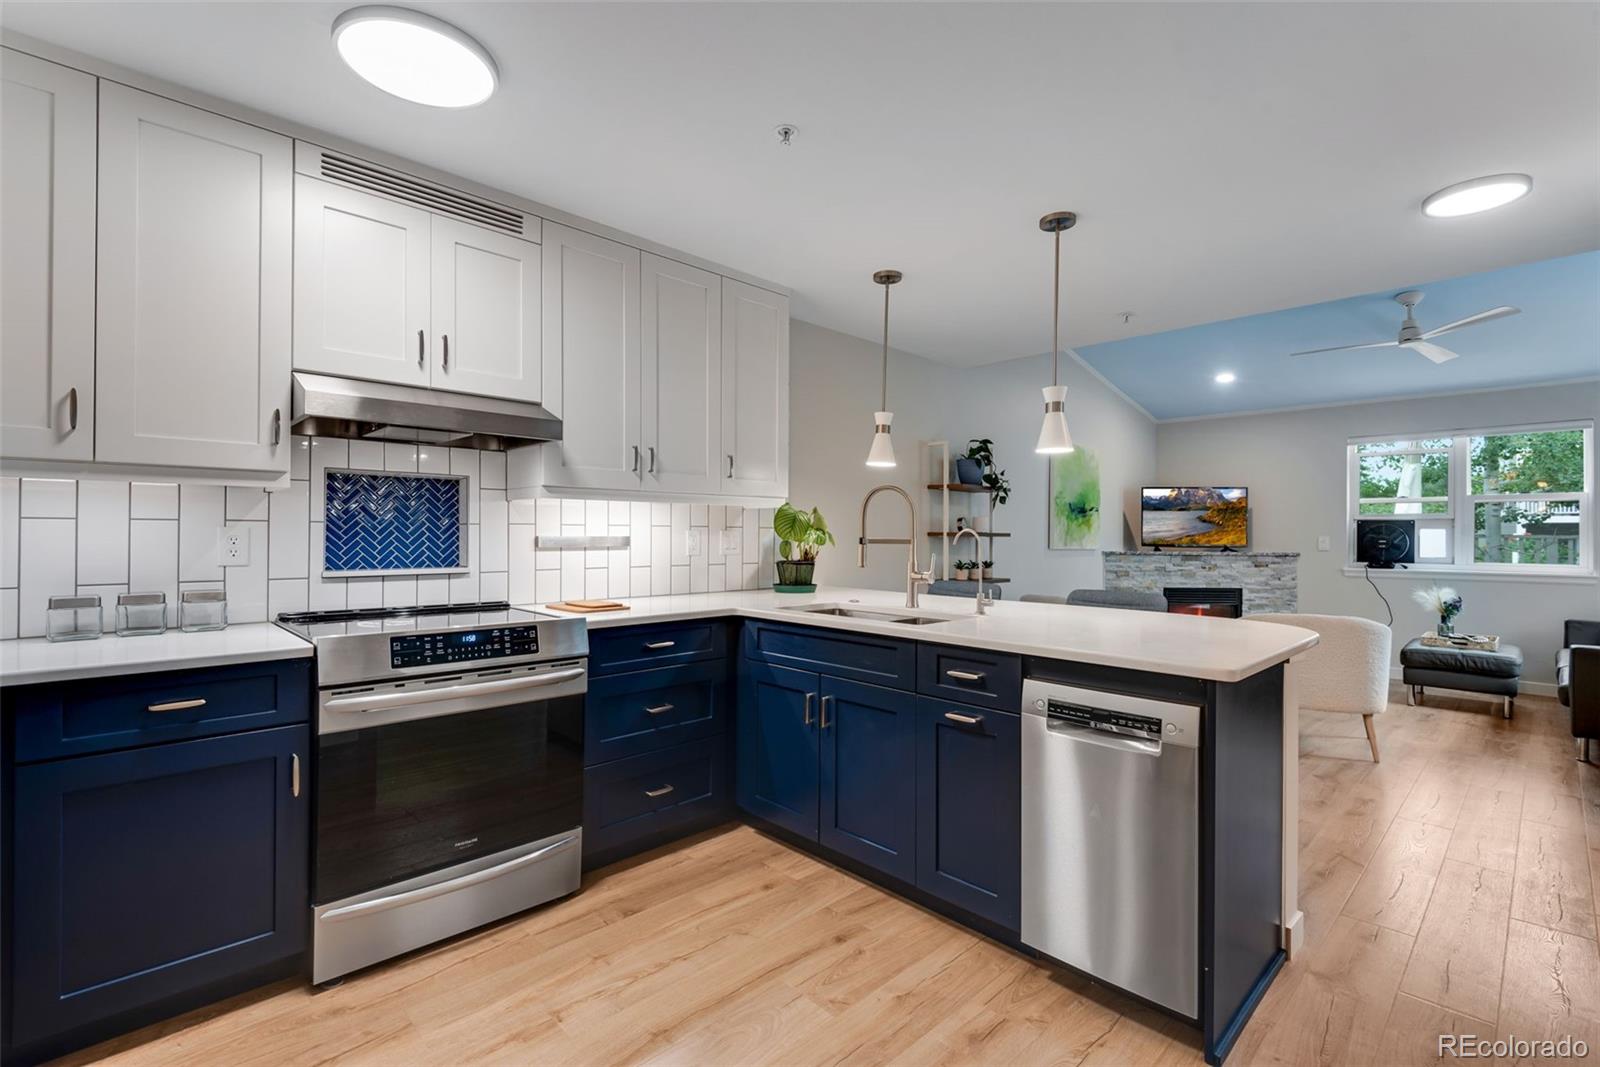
(546, 587)
(433, 589)
(638, 581)
(572, 568)
(108, 603)
(8, 614)
(366, 455)
(154, 500)
(660, 560)
(10, 514)
(522, 512)
(680, 580)
(595, 518)
(49, 498)
(102, 533)
(246, 503)
(595, 581)
(326, 594)
(246, 586)
(299, 458)
(493, 466)
(200, 516)
(716, 578)
(493, 524)
(286, 594)
(617, 572)
(547, 513)
(493, 587)
(153, 560)
(49, 549)
(289, 534)
(363, 593)
(399, 457)
(325, 452)
(660, 514)
(400, 591)
(434, 459)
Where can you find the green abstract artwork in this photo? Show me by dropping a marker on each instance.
(1074, 514)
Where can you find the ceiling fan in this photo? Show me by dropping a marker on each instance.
(1412, 335)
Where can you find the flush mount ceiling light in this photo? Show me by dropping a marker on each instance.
(1225, 377)
(1479, 194)
(881, 454)
(415, 56)
(1053, 436)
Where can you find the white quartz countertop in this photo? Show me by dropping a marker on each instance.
(33, 659)
(1222, 650)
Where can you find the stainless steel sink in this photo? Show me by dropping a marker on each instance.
(905, 618)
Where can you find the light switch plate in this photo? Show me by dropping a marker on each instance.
(692, 545)
(1323, 544)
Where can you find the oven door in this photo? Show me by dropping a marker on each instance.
(429, 773)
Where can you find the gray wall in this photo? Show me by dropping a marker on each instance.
(1294, 464)
(834, 388)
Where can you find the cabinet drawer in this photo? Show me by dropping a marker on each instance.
(987, 679)
(857, 657)
(641, 801)
(76, 718)
(628, 714)
(634, 648)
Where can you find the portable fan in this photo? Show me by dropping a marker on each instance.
(1385, 542)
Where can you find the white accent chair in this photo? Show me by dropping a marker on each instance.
(1348, 670)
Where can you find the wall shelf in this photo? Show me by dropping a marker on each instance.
(959, 487)
(952, 533)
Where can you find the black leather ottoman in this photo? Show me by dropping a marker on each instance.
(1472, 670)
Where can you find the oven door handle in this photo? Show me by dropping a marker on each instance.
(384, 701)
(427, 892)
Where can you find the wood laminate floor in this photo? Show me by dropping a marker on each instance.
(1452, 888)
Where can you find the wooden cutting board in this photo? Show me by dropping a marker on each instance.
(587, 606)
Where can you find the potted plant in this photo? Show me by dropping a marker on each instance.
(983, 471)
(802, 534)
(968, 569)
(988, 569)
(1445, 603)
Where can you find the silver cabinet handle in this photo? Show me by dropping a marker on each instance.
(446, 339)
(824, 722)
(964, 720)
(965, 676)
(72, 409)
(366, 907)
(659, 709)
(382, 701)
(653, 793)
(277, 426)
(730, 464)
(422, 349)
(657, 646)
(176, 705)
(805, 713)
(651, 469)
(294, 774)
(635, 459)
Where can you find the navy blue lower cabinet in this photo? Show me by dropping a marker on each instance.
(153, 873)
(636, 803)
(629, 714)
(868, 775)
(969, 808)
(776, 771)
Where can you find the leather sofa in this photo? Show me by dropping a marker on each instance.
(1578, 680)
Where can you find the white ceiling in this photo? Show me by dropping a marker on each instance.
(1224, 159)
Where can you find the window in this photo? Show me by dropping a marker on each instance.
(1515, 499)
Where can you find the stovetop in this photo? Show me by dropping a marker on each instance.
(313, 625)
(372, 644)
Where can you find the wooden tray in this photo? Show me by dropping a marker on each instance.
(587, 607)
(1470, 642)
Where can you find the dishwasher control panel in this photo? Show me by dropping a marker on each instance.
(1111, 722)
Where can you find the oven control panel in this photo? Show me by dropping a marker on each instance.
(457, 646)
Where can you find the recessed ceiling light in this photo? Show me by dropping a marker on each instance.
(1225, 377)
(1479, 194)
(415, 56)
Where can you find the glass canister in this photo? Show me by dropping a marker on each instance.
(202, 609)
(73, 618)
(139, 614)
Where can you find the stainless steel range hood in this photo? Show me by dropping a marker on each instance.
(326, 406)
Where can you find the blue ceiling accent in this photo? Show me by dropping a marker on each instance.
(1556, 338)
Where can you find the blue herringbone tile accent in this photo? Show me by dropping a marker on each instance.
(385, 522)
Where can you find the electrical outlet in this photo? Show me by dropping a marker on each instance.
(730, 541)
(1323, 544)
(692, 545)
(233, 547)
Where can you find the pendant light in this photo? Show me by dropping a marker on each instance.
(1053, 436)
(882, 452)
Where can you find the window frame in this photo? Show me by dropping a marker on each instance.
(1461, 505)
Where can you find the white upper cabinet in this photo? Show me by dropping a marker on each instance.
(591, 360)
(755, 391)
(361, 285)
(681, 360)
(47, 166)
(486, 303)
(193, 320)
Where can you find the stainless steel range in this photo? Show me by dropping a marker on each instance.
(449, 772)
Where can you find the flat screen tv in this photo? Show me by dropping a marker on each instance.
(1193, 516)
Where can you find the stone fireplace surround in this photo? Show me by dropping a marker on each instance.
(1270, 580)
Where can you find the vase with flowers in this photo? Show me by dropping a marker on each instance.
(1443, 602)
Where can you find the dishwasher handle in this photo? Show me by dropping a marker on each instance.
(1088, 735)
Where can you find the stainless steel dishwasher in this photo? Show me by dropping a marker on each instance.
(1111, 838)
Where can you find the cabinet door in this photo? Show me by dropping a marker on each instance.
(969, 808)
(755, 390)
(591, 360)
(681, 394)
(47, 243)
(776, 775)
(155, 872)
(486, 312)
(361, 284)
(869, 767)
(193, 324)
